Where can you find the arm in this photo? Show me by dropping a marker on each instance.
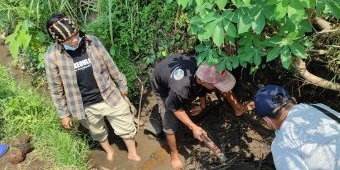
(174, 103)
(184, 118)
(56, 90)
(198, 109)
(114, 72)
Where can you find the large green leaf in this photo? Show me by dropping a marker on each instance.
(23, 39)
(285, 3)
(235, 61)
(335, 8)
(287, 26)
(257, 58)
(209, 30)
(280, 11)
(258, 23)
(246, 40)
(273, 41)
(218, 35)
(199, 2)
(221, 3)
(211, 57)
(270, 2)
(244, 22)
(229, 28)
(200, 48)
(228, 14)
(298, 50)
(305, 26)
(296, 14)
(228, 64)
(201, 35)
(10, 38)
(14, 49)
(196, 20)
(202, 56)
(273, 53)
(210, 16)
(184, 3)
(246, 54)
(26, 24)
(201, 10)
(237, 3)
(286, 58)
(320, 6)
(246, 2)
(221, 65)
(309, 3)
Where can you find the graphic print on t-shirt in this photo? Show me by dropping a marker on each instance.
(86, 81)
(82, 64)
(177, 73)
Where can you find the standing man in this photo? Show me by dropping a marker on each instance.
(82, 80)
(307, 137)
(176, 84)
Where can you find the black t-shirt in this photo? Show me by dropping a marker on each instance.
(87, 84)
(174, 78)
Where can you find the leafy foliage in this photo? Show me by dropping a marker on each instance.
(24, 111)
(20, 38)
(257, 29)
(140, 33)
(133, 31)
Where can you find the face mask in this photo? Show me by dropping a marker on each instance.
(73, 48)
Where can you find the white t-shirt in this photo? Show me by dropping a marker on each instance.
(307, 139)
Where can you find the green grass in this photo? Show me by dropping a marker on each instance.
(24, 111)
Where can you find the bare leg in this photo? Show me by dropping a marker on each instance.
(131, 147)
(239, 109)
(107, 148)
(175, 161)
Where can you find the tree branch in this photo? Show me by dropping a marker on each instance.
(140, 102)
(300, 66)
(325, 25)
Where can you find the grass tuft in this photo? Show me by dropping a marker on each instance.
(24, 111)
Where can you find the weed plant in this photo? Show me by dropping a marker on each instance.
(23, 111)
(136, 33)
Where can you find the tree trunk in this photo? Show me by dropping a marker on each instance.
(300, 66)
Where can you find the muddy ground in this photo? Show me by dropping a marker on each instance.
(244, 140)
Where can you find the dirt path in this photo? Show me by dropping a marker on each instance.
(244, 140)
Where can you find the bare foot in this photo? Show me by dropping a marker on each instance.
(134, 157)
(109, 156)
(176, 162)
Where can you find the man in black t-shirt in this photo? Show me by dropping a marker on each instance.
(174, 83)
(85, 84)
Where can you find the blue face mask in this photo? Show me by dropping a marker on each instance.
(73, 48)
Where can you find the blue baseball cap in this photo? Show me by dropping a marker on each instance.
(269, 98)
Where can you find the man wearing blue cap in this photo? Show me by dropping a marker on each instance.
(306, 136)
